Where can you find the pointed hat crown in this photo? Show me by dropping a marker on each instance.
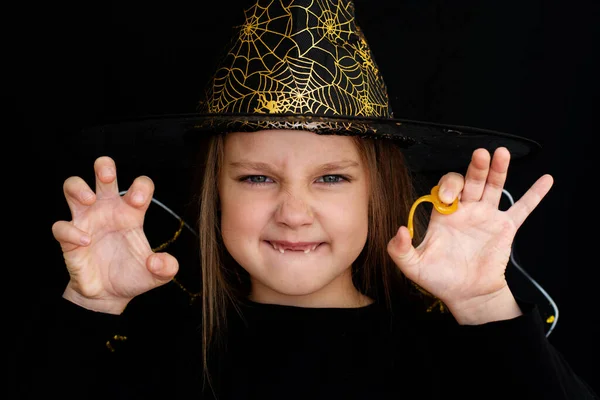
(294, 58)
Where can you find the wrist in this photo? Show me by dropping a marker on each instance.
(112, 306)
(492, 307)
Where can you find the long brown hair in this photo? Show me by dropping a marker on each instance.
(225, 283)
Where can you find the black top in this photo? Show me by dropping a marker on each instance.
(284, 352)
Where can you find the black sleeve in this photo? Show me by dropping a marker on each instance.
(70, 352)
(510, 359)
(151, 351)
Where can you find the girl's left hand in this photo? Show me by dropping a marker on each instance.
(463, 256)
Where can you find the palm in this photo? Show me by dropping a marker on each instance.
(465, 253)
(114, 264)
(116, 259)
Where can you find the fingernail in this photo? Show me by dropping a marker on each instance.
(106, 172)
(155, 264)
(86, 195)
(446, 196)
(138, 197)
(85, 240)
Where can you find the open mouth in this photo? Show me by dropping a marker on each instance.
(306, 249)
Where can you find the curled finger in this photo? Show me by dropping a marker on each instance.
(163, 266)
(106, 177)
(78, 195)
(140, 192)
(69, 236)
(451, 184)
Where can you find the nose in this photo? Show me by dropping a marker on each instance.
(293, 211)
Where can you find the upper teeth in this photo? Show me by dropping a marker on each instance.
(281, 250)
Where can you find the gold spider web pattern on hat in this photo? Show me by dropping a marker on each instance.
(307, 58)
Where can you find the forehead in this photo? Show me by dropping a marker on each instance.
(275, 145)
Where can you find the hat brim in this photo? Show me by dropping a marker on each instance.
(427, 146)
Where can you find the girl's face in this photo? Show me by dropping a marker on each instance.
(294, 214)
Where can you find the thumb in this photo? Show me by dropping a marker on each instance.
(402, 251)
(163, 266)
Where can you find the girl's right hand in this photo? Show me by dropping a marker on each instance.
(107, 254)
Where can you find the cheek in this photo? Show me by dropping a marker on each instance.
(242, 218)
(348, 218)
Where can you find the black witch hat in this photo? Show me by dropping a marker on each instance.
(307, 65)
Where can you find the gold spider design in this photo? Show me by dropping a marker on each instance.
(272, 106)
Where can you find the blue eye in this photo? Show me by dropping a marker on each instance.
(331, 179)
(256, 179)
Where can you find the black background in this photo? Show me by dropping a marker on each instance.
(527, 68)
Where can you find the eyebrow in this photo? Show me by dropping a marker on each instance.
(324, 168)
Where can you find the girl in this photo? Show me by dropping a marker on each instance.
(313, 261)
(304, 295)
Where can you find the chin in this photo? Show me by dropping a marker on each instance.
(295, 288)
(296, 277)
(308, 284)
